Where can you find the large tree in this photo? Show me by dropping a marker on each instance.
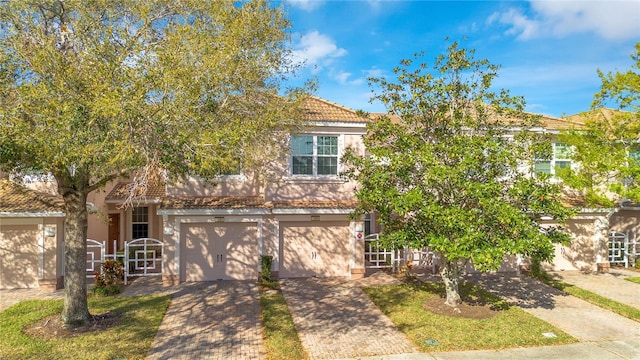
(94, 90)
(447, 170)
(606, 142)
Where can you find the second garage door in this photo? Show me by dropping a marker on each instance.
(19, 256)
(314, 249)
(220, 251)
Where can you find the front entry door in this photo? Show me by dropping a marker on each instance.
(114, 232)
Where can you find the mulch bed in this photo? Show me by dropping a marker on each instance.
(467, 309)
(52, 327)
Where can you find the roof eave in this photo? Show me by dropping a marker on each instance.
(206, 212)
(32, 214)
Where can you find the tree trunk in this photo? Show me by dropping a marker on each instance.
(76, 310)
(450, 276)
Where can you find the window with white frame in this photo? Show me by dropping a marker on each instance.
(560, 157)
(140, 222)
(314, 155)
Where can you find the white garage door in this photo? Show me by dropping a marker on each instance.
(19, 256)
(220, 251)
(318, 249)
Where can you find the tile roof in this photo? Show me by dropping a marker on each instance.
(548, 122)
(15, 198)
(121, 191)
(212, 202)
(600, 114)
(315, 205)
(551, 123)
(246, 202)
(317, 109)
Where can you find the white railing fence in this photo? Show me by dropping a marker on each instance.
(377, 257)
(141, 257)
(623, 249)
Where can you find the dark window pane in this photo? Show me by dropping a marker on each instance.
(140, 231)
(327, 166)
(302, 165)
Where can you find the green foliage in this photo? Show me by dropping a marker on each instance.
(265, 269)
(108, 87)
(280, 335)
(110, 280)
(607, 148)
(634, 279)
(91, 91)
(445, 171)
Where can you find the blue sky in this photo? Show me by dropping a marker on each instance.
(549, 51)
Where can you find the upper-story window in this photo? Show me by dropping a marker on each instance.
(140, 222)
(560, 157)
(315, 155)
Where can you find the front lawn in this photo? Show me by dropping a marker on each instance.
(281, 339)
(503, 326)
(132, 326)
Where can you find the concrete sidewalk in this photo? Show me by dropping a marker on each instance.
(578, 318)
(611, 285)
(602, 350)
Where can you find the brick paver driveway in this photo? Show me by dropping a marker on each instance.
(211, 320)
(335, 319)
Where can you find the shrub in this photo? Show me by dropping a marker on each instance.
(110, 280)
(265, 266)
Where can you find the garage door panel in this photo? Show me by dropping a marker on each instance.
(315, 249)
(19, 256)
(220, 251)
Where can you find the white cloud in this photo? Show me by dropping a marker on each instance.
(373, 72)
(614, 20)
(307, 5)
(317, 50)
(343, 79)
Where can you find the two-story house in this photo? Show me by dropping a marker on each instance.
(298, 213)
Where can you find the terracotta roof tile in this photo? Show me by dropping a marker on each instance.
(15, 198)
(246, 202)
(212, 202)
(552, 123)
(121, 191)
(315, 205)
(600, 115)
(317, 109)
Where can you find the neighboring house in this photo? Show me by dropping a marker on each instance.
(31, 237)
(298, 211)
(590, 247)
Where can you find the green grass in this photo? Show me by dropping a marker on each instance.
(281, 338)
(633, 279)
(131, 339)
(512, 327)
(586, 295)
